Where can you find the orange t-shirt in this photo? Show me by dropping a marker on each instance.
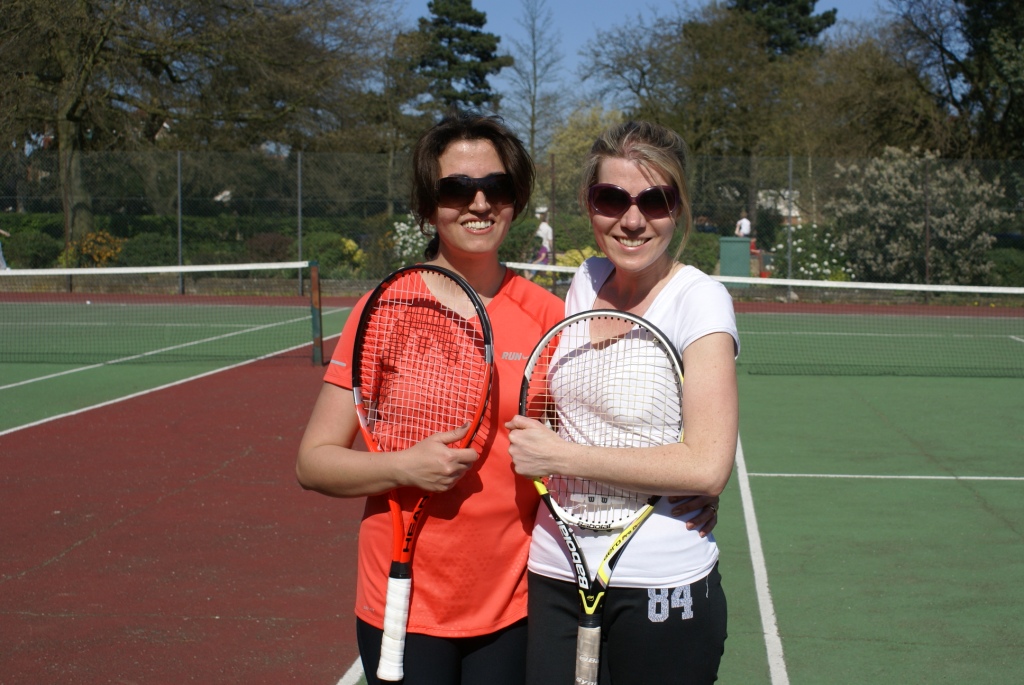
(469, 569)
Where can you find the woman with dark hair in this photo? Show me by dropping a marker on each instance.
(471, 178)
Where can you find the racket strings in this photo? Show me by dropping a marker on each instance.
(618, 389)
(425, 367)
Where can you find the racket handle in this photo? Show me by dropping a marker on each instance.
(396, 618)
(588, 655)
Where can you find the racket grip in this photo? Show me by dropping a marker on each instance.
(396, 618)
(588, 655)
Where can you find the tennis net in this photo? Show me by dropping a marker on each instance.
(795, 327)
(160, 314)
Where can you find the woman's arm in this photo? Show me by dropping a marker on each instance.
(700, 465)
(328, 462)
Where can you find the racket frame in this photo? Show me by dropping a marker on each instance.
(592, 588)
(399, 588)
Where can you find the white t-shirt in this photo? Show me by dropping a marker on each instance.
(663, 553)
(743, 227)
(546, 234)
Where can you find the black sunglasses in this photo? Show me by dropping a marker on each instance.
(656, 202)
(459, 191)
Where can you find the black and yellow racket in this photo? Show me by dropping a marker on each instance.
(608, 379)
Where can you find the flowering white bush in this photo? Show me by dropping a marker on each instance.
(407, 240)
(889, 205)
(816, 255)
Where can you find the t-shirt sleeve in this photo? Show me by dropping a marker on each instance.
(711, 309)
(339, 370)
(586, 283)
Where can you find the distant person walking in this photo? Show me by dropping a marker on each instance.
(743, 226)
(547, 237)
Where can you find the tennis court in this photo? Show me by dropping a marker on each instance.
(872, 530)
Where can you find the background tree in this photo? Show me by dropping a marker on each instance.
(909, 217)
(710, 75)
(791, 25)
(459, 55)
(570, 145)
(973, 53)
(536, 103)
(858, 98)
(126, 74)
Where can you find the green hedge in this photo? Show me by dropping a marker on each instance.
(1007, 267)
(702, 251)
(31, 249)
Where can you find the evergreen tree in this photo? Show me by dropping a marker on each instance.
(994, 68)
(459, 55)
(791, 25)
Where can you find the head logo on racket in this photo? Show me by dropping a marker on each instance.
(422, 365)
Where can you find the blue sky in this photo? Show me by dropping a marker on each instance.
(577, 21)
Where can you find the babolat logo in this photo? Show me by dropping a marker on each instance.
(512, 356)
(577, 560)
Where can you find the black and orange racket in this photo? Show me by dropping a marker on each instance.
(421, 365)
(608, 379)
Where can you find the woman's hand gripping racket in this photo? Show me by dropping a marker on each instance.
(608, 379)
(422, 365)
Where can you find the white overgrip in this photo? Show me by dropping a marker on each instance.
(396, 618)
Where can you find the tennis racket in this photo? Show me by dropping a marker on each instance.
(608, 379)
(422, 365)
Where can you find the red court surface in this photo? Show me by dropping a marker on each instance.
(164, 540)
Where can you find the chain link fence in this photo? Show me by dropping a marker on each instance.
(899, 218)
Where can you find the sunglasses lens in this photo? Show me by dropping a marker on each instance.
(609, 200)
(498, 189)
(455, 191)
(657, 203)
(458, 191)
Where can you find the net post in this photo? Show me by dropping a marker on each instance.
(317, 313)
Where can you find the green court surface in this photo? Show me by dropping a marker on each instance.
(891, 514)
(110, 356)
(889, 511)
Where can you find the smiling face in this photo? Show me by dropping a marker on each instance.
(477, 227)
(634, 243)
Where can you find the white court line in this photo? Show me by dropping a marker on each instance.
(353, 674)
(772, 641)
(876, 477)
(166, 349)
(148, 390)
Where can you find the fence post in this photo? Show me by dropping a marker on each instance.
(181, 255)
(298, 202)
(927, 224)
(551, 222)
(317, 312)
(789, 234)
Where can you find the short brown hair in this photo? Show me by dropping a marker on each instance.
(462, 125)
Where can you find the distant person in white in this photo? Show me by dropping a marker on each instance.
(3, 264)
(546, 235)
(743, 226)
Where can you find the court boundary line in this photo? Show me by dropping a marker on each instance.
(353, 674)
(881, 477)
(769, 625)
(192, 343)
(147, 391)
